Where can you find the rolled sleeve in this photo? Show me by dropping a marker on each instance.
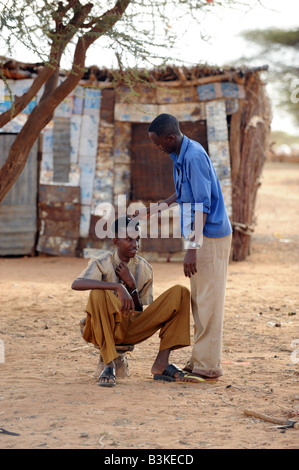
(146, 293)
(92, 271)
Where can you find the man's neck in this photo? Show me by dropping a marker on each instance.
(123, 257)
(179, 140)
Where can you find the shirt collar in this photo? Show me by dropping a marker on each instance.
(117, 260)
(179, 159)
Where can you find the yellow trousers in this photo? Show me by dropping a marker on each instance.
(105, 327)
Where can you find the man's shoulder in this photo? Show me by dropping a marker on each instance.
(143, 262)
(196, 151)
(102, 257)
(195, 147)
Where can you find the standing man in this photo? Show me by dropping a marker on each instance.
(208, 229)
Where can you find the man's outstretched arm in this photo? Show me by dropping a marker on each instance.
(127, 302)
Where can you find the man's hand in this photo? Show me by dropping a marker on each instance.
(127, 303)
(125, 275)
(190, 262)
(142, 214)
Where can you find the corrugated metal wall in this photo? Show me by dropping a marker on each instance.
(18, 210)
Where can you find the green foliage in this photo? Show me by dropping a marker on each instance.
(280, 137)
(280, 48)
(273, 37)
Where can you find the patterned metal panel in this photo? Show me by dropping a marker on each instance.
(18, 209)
(219, 147)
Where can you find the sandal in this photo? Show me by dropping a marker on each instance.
(168, 375)
(109, 374)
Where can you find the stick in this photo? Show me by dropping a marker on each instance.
(270, 419)
(81, 347)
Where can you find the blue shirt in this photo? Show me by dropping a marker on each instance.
(197, 183)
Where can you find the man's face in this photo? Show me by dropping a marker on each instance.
(165, 144)
(127, 245)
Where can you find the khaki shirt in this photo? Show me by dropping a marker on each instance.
(103, 269)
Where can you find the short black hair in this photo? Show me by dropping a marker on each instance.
(165, 124)
(123, 222)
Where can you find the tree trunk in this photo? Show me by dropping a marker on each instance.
(248, 156)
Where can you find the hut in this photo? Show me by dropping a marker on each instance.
(96, 151)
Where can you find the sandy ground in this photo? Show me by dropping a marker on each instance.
(48, 391)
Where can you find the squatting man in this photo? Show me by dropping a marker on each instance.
(121, 285)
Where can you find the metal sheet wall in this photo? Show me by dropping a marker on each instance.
(18, 211)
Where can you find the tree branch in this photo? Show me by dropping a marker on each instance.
(52, 97)
(21, 102)
(106, 22)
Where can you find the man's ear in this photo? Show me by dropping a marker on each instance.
(115, 241)
(171, 138)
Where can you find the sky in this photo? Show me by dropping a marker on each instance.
(223, 44)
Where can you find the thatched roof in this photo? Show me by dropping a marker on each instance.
(17, 70)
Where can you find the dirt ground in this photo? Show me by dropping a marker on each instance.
(48, 392)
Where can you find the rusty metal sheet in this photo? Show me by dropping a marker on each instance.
(186, 94)
(103, 188)
(107, 107)
(105, 159)
(139, 94)
(51, 194)
(92, 227)
(151, 174)
(106, 136)
(184, 111)
(66, 228)
(59, 214)
(59, 211)
(57, 246)
(196, 131)
(122, 142)
(122, 179)
(161, 245)
(135, 112)
(147, 112)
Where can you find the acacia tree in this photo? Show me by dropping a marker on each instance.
(125, 24)
(280, 47)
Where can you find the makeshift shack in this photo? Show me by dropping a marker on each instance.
(96, 151)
